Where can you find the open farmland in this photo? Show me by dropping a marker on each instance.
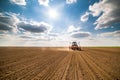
(35, 63)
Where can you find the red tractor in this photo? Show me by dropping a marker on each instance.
(75, 46)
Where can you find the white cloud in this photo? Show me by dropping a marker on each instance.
(110, 34)
(11, 22)
(75, 32)
(16, 30)
(96, 8)
(73, 29)
(85, 17)
(110, 13)
(19, 2)
(70, 1)
(15, 40)
(107, 39)
(44, 2)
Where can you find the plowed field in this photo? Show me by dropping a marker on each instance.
(33, 63)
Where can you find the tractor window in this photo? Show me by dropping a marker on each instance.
(74, 44)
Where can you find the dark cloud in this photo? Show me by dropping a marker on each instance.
(11, 22)
(35, 28)
(5, 27)
(80, 34)
(8, 21)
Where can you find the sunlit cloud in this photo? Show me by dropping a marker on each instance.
(109, 11)
(85, 17)
(70, 1)
(72, 28)
(44, 2)
(19, 2)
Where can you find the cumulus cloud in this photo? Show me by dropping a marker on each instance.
(109, 10)
(44, 2)
(75, 32)
(35, 27)
(85, 17)
(70, 1)
(19, 2)
(8, 21)
(96, 8)
(80, 34)
(73, 29)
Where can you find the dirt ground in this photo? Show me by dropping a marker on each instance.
(34, 63)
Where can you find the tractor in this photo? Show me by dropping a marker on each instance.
(75, 46)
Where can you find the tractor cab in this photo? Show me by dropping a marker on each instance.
(75, 46)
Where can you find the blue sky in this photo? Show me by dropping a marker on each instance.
(44, 22)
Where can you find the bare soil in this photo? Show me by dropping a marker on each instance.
(34, 63)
